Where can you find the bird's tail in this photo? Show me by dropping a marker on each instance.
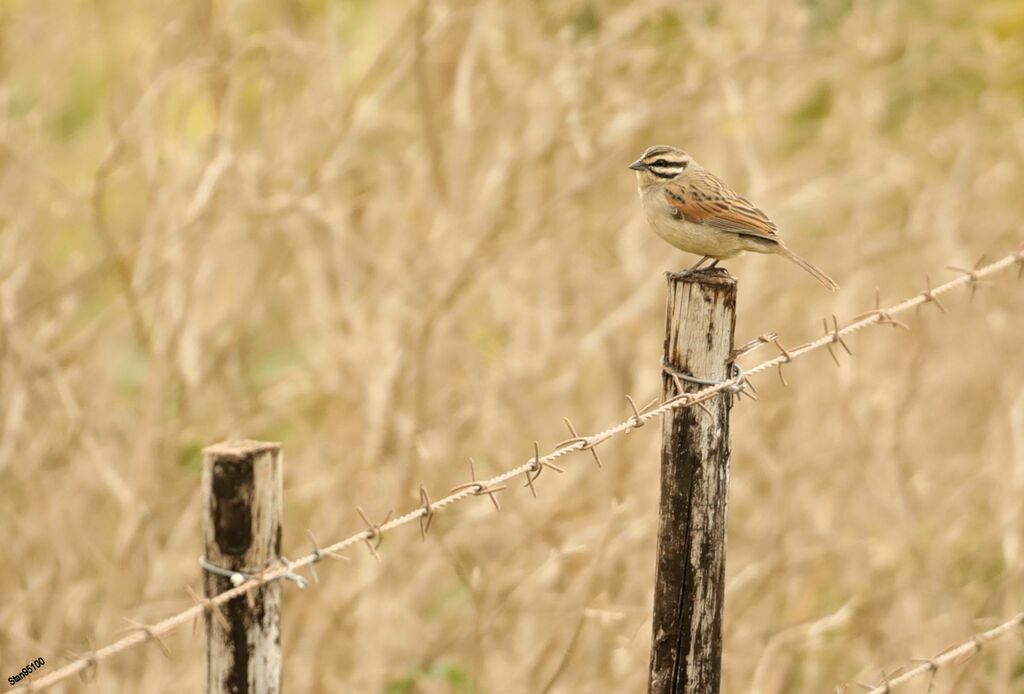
(814, 270)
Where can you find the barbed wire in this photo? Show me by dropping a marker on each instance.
(531, 470)
(961, 654)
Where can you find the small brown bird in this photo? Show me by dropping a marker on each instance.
(696, 212)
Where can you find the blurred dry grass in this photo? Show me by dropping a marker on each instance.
(393, 235)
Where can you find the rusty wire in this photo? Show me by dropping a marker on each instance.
(373, 534)
(959, 654)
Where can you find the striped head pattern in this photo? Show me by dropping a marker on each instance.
(661, 163)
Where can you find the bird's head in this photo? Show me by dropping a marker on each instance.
(661, 164)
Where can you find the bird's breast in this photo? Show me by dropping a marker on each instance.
(699, 239)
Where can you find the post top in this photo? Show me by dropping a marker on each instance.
(717, 276)
(241, 448)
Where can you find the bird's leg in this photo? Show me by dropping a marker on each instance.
(690, 271)
(696, 266)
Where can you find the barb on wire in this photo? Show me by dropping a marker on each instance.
(951, 654)
(537, 465)
(885, 679)
(576, 438)
(88, 673)
(150, 634)
(317, 555)
(748, 347)
(428, 513)
(478, 488)
(637, 420)
(681, 394)
(929, 294)
(932, 668)
(682, 398)
(972, 274)
(836, 338)
(529, 480)
(882, 316)
(741, 384)
(208, 606)
(291, 575)
(785, 359)
(373, 535)
(750, 391)
(491, 485)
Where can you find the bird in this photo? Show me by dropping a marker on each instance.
(695, 211)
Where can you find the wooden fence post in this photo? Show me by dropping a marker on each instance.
(241, 500)
(686, 651)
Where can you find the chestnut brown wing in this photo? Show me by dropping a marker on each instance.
(704, 199)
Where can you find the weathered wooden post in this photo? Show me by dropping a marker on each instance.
(686, 652)
(242, 532)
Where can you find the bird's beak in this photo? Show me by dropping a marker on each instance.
(638, 165)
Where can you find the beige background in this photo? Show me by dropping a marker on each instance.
(393, 235)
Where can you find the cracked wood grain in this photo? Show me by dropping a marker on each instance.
(686, 649)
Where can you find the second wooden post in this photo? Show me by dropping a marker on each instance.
(242, 533)
(686, 651)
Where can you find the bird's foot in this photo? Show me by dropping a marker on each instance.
(683, 274)
(695, 268)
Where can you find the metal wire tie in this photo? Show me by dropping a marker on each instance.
(739, 387)
(237, 578)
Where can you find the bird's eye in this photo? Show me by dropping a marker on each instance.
(661, 162)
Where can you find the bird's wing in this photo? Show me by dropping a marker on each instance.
(705, 199)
